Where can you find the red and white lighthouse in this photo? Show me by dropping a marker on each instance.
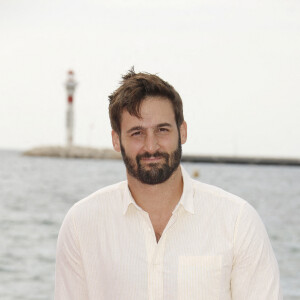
(70, 87)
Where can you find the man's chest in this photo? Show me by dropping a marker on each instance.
(184, 264)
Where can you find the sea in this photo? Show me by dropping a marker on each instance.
(36, 193)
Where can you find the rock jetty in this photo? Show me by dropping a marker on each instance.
(73, 152)
(95, 153)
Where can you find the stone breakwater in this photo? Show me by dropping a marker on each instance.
(96, 153)
(242, 160)
(73, 152)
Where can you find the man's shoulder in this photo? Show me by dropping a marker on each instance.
(213, 195)
(106, 196)
(221, 206)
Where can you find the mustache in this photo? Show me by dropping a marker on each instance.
(149, 155)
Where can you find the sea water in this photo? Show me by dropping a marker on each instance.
(37, 192)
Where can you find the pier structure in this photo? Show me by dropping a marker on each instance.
(70, 87)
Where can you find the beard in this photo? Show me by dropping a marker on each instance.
(156, 173)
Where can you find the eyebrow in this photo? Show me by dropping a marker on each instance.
(164, 125)
(136, 128)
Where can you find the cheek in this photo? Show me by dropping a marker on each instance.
(132, 147)
(169, 142)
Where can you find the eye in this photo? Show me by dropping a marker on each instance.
(136, 133)
(163, 129)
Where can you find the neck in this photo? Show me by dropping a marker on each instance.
(159, 198)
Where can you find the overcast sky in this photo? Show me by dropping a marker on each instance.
(236, 65)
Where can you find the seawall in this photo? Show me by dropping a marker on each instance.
(96, 153)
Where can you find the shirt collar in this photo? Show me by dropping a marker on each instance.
(186, 200)
(128, 200)
(187, 197)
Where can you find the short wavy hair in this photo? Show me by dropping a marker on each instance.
(134, 88)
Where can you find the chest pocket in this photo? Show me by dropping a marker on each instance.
(199, 277)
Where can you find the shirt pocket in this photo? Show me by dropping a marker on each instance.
(199, 277)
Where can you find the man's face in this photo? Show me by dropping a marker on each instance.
(151, 145)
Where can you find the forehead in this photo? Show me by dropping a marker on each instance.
(153, 111)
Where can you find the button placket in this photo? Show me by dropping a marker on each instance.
(155, 254)
(156, 268)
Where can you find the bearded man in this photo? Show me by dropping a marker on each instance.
(160, 234)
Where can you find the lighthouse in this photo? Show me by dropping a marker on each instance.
(70, 87)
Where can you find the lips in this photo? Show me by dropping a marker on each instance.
(151, 159)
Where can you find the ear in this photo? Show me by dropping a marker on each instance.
(183, 132)
(115, 141)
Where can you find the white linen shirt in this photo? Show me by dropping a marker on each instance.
(214, 247)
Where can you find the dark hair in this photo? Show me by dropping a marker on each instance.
(134, 88)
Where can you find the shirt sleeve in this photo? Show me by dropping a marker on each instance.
(70, 281)
(255, 274)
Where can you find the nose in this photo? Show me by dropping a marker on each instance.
(151, 143)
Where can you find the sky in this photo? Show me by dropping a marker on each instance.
(236, 65)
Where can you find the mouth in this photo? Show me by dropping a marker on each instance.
(151, 159)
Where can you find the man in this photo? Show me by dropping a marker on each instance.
(160, 234)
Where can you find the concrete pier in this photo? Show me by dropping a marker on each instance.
(96, 153)
(242, 160)
(73, 152)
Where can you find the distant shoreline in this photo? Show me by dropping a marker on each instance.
(73, 152)
(97, 153)
(241, 160)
